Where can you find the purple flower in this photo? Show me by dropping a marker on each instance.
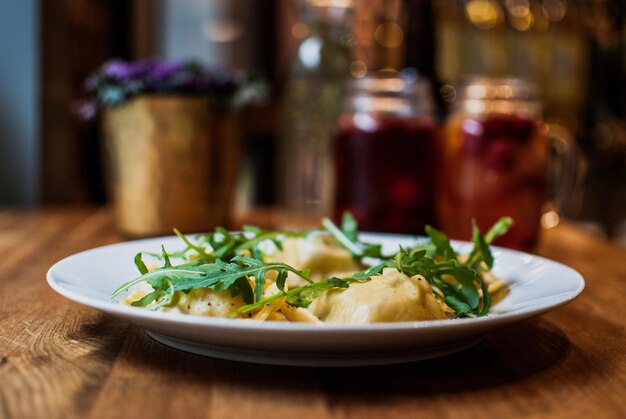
(118, 81)
(142, 68)
(166, 69)
(118, 69)
(126, 71)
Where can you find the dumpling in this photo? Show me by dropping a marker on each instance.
(390, 297)
(205, 302)
(318, 252)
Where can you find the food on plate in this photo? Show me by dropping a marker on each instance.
(320, 252)
(323, 275)
(389, 297)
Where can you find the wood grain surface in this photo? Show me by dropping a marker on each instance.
(61, 360)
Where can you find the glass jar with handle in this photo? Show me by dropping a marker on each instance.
(495, 160)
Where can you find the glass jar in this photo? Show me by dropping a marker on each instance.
(386, 152)
(310, 106)
(494, 161)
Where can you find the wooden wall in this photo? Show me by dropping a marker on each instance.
(76, 37)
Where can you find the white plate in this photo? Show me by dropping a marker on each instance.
(536, 285)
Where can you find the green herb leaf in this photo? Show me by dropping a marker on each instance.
(342, 238)
(140, 265)
(155, 277)
(147, 299)
(498, 229)
(202, 253)
(166, 258)
(464, 288)
(441, 242)
(224, 267)
(347, 236)
(481, 252)
(281, 279)
(219, 276)
(448, 278)
(350, 227)
(304, 296)
(456, 305)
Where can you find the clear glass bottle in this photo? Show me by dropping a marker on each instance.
(386, 152)
(311, 104)
(495, 160)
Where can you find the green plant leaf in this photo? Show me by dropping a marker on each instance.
(140, 265)
(441, 242)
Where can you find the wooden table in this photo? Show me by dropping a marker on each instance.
(60, 360)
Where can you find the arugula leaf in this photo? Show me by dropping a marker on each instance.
(457, 305)
(241, 286)
(140, 265)
(219, 276)
(481, 252)
(441, 242)
(166, 258)
(349, 226)
(304, 296)
(347, 236)
(281, 279)
(147, 299)
(226, 267)
(352, 246)
(174, 273)
(449, 279)
(227, 245)
(260, 236)
(463, 288)
(486, 298)
(202, 253)
(498, 229)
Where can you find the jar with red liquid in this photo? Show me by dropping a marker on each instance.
(494, 161)
(385, 154)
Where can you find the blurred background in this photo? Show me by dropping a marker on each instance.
(574, 49)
